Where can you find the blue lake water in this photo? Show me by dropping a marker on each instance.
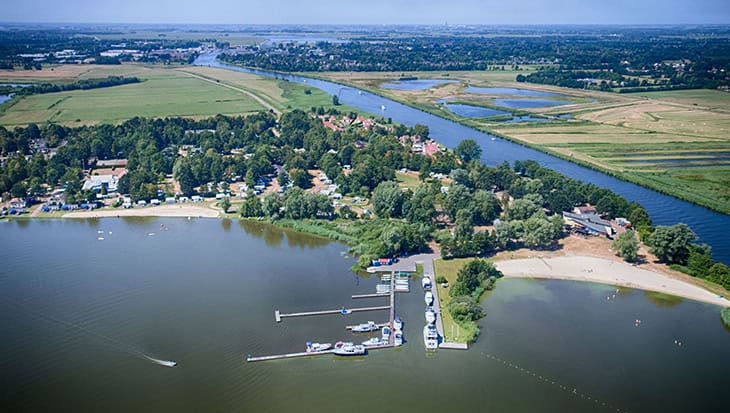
(509, 91)
(711, 226)
(5, 98)
(528, 103)
(417, 84)
(470, 111)
(527, 118)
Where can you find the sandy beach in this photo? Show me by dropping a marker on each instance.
(604, 271)
(195, 211)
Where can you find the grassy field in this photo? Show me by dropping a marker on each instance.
(675, 142)
(449, 269)
(166, 91)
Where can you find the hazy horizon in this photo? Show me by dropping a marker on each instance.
(375, 12)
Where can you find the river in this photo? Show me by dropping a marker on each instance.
(79, 315)
(711, 226)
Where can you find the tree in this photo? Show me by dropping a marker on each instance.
(420, 208)
(225, 203)
(388, 200)
(537, 231)
(468, 150)
(626, 246)
(522, 208)
(335, 100)
(464, 228)
(671, 243)
(251, 207)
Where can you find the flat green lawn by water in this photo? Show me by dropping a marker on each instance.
(449, 269)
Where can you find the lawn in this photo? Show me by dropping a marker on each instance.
(449, 269)
(162, 93)
(173, 91)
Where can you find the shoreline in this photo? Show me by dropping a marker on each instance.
(180, 211)
(605, 271)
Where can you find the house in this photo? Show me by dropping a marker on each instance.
(591, 224)
(585, 210)
(98, 182)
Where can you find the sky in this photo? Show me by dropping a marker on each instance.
(369, 11)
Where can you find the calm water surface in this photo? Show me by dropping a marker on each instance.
(509, 91)
(417, 84)
(78, 314)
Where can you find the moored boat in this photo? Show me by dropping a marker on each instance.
(317, 347)
(398, 324)
(386, 333)
(365, 327)
(430, 337)
(398, 338)
(426, 282)
(428, 298)
(430, 316)
(375, 341)
(349, 349)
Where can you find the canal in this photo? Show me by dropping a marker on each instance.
(711, 226)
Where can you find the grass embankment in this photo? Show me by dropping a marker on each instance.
(454, 332)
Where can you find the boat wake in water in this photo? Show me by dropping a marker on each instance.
(118, 344)
(165, 363)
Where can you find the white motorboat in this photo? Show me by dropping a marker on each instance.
(386, 333)
(398, 338)
(430, 337)
(349, 349)
(375, 341)
(317, 347)
(398, 324)
(430, 316)
(365, 327)
(426, 282)
(428, 298)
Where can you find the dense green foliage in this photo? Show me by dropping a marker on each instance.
(725, 316)
(472, 280)
(626, 246)
(671, 244)
(83, 84)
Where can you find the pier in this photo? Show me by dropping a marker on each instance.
(370, 295)
(252, 359)
(278, 316)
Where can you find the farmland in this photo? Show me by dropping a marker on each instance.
(176, 91)
(675, 142)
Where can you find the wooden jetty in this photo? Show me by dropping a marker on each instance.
(279, 315)
(251, 358)
(371, 295)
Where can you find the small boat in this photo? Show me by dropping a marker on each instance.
(398, 338)
(430, 337)
(386, 333)
(426, 282)
(359, 92)
(349, 349)
(317, 347)
(168, 363)
(345, 311)
(382, 107)
(398, 324)
(430, 316)
(375, 341)
(494, 139)
(428, 298)
(365, 327)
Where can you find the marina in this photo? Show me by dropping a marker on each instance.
(389, 338)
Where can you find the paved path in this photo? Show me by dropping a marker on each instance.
(262, 102)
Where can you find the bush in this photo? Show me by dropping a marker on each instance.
(441, 279)
(725, 315)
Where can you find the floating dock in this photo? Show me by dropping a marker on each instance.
(279, 315)
(381, 325)
(371, 295)
(252, 359)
